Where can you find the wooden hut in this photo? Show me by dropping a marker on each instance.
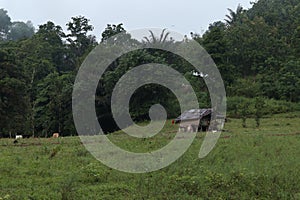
(194, 120)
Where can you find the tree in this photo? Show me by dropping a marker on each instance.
(39, 56)
(258, 113)
(112, 30)
(162, 41)
(51, 33)
(215, 42)
(246, 87)
(20, 30)
(53, 104)
(79, 41)
(52, 36)
(244, 110)
(13, 107)
(5, 23)
(234, 16)
(289, 81)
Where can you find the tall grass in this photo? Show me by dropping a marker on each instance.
(247, 163)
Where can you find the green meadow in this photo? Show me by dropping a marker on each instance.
(247, 163)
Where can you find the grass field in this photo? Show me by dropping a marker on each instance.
(247, 163)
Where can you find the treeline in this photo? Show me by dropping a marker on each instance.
(257, 52)
(37, 75)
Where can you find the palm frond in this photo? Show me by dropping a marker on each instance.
(166, 35)
(153, 37)
(147, 39)
(162, 35)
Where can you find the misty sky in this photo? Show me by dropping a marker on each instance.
(183, 16)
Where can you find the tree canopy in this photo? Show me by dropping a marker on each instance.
(257, 52)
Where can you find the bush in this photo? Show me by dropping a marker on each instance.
(271, 106)
(95, 173)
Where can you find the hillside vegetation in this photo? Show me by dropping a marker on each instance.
(257, 52)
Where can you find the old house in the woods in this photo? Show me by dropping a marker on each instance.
(194, 120)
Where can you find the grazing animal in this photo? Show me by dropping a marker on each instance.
(181, 129)
(191, 129)
(55, 135)
(19, 137)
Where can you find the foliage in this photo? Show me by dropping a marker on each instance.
(256, 51)
(112, 30)
(14, 30)
(12, 95)
(5, 23)
(20, 30)
(266, 106)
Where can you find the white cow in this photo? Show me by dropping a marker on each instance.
(55, 135)
(19, 137)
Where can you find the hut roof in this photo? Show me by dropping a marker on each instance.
(193, 114)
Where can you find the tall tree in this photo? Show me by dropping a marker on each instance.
(5, 23)
(12, 96)
(40, 55)
(53, 104)
(20, 30)
(112, 30)
(234, 16)
(80, 41)
(53, 36)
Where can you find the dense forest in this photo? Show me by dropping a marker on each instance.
(257, 52)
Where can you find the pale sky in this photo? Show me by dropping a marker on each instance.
(182, 16)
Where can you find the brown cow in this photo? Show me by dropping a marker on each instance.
(55, 135)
